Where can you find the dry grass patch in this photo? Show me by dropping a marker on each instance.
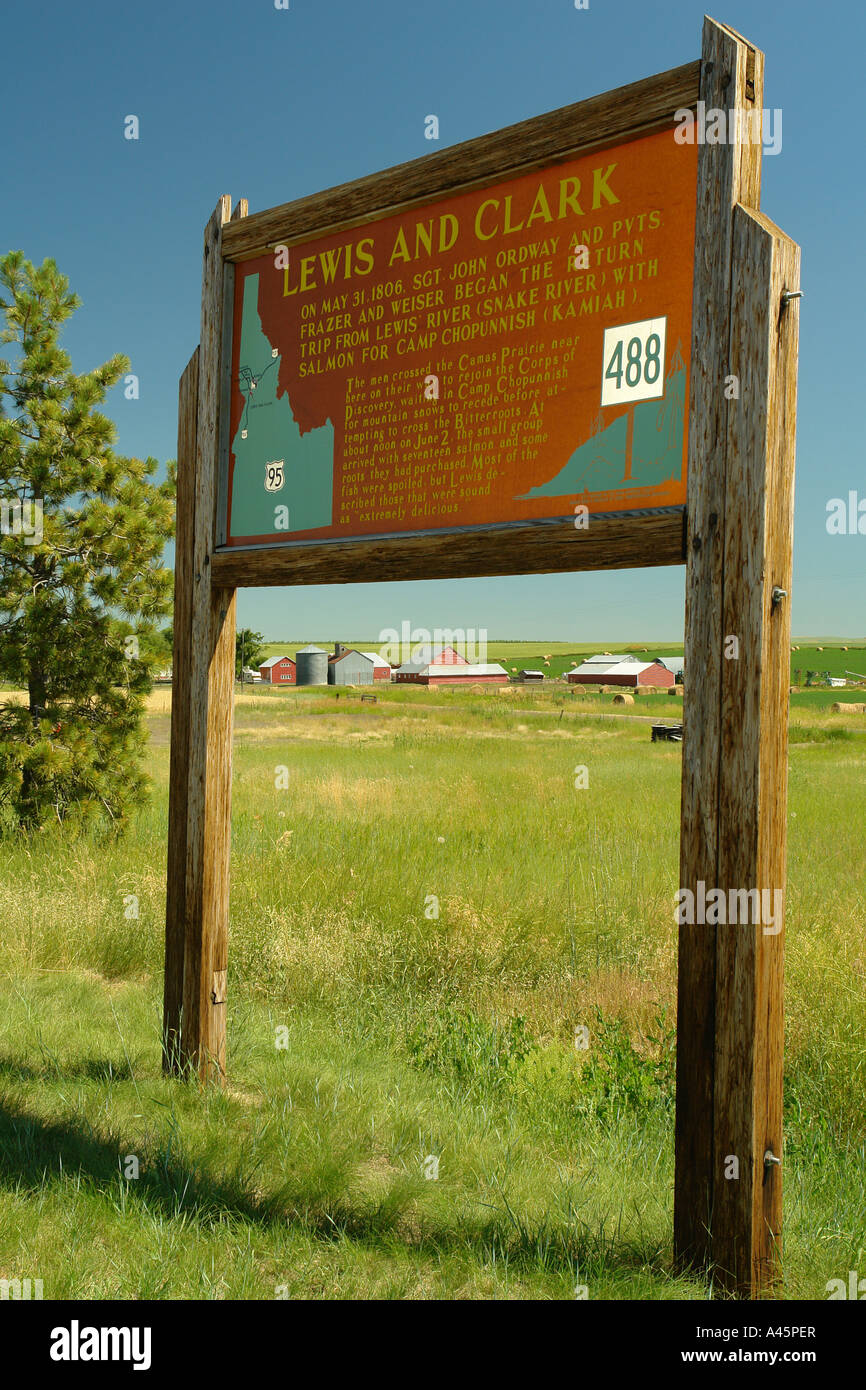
(555, 1007)
(356, 793)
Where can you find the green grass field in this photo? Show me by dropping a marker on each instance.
(420, 924)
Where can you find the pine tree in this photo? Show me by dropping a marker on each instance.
(82, 587)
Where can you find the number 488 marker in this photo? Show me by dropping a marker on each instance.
(634, 362)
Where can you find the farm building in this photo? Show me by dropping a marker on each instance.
(620, 670)
(350, 667)
(311, 666)
(278, 670)
(452, 673)
(428, 655)
(530, 677)
(410, 671)
(437, 655)
(381, 669)
(674, 664)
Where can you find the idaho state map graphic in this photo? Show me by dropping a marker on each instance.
(267, 433)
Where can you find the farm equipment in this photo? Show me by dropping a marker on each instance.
(814, 678)
(673, 733)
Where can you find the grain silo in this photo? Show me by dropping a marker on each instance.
(311, 666)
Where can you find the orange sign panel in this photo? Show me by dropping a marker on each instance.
(503, 354)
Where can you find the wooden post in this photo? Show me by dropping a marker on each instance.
(739, 543)
(726, 172)
(202, 715)
(175, 908)
(753, 782)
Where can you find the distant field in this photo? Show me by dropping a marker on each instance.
(551, 657)
(424, 917)
(836, 659)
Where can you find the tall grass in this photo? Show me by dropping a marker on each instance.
(422, 922)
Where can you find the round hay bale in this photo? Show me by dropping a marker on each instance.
(819, 649)
(844, 649)
(578, 689)
(623, 698)
(678, 690)
(477, 689)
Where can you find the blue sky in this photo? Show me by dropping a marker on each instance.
(270, 104)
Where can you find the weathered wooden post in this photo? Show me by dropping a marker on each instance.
(178, 791)
(727, 1211)
(194, 1029)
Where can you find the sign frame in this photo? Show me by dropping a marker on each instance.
(735, 537)
(645, 536)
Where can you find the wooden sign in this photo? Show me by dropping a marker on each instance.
(437, 370)
(500, 355)
(478, 363)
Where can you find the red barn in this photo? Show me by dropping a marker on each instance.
(278, 670)
(381, 668)
(453, 673)
(425, 654)
(447, 656)
(621, 670)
